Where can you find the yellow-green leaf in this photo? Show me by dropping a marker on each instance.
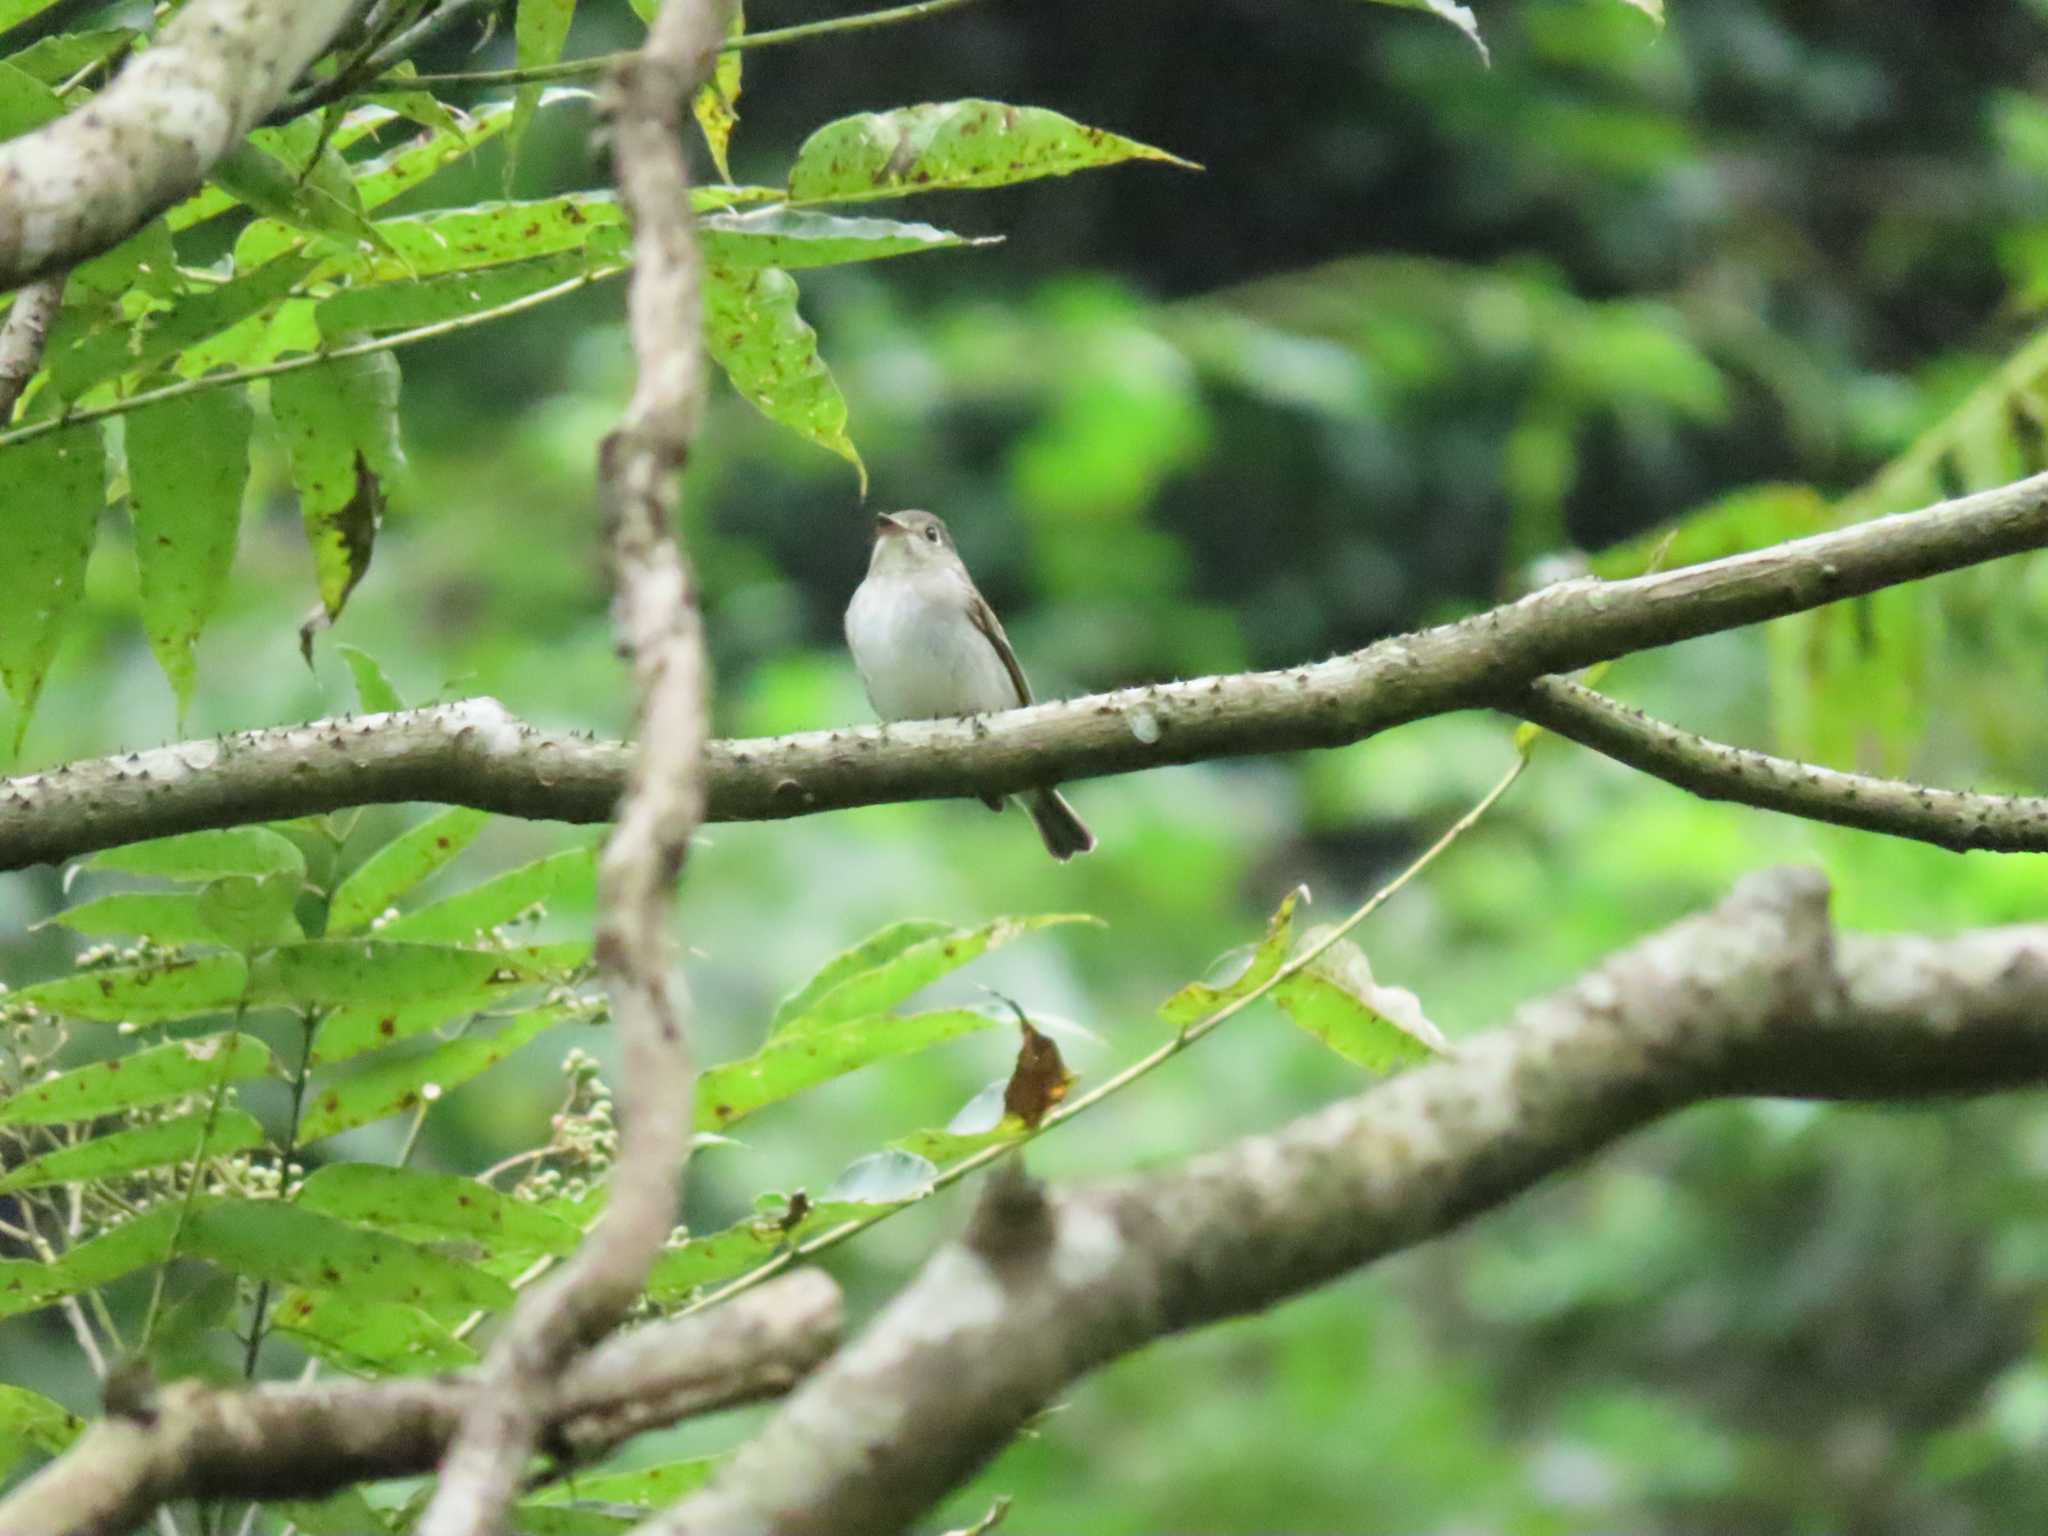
(770, 353)
(146, 1077)
(1240, 972)
(400, 865)
(946, 146)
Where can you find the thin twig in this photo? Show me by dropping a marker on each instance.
(659, 628)
(598, 64)
(1142, 1067)
(22, 337)
(1959, 820)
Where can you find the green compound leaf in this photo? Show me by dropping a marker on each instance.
(1239, 972)
(803, 1059)
(354, 1031)
(281, 1242)
(791, 238)
(206, 855)
(31, 1423)
(947, 146)
(188, 462)
(904, 969)
(53, 488)
(770, 353)
(645, 1487)
(174, 988)
(146, 1146)
(400, 865)
(340, 421)
(420, 1205)
(395, 1087)
(371, 1338)
(147, 1077)
(568, 876)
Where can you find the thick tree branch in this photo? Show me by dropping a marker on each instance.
(93, 177)
(475, 753)
(1756, 996)
(655, 609)
(22, 338)
(1954, 819)
(304, 1442)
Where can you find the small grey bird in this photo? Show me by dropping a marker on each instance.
(927, 645)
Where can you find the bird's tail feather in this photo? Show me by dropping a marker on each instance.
(1065, 833)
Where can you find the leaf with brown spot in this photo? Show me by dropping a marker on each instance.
(945, 146)
(717, 105)
(400, 865)
(340, 423)
(770, 353)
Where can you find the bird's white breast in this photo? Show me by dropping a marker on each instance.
(919, 655)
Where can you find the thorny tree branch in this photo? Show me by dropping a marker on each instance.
(659, 628)
(1758, 995)
(1954, 819)
(22, 338)
(475, 753)
(304, 1442)
(93, 177)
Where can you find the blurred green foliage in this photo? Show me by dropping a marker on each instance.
(1419, 333)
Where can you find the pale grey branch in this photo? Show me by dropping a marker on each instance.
(1755, 996)
(655, 610)
(475, 753)
(1958, 820)
(304, 1442)
(93, 177)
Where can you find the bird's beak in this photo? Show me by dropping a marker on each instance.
(886, 525)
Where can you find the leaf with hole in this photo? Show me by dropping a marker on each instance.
(951, 145)
(147, 1077)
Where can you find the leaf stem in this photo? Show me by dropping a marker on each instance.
(599, 64)
(309, 1026)
(1140, 1068)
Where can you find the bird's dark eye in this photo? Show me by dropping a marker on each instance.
(932, 534)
